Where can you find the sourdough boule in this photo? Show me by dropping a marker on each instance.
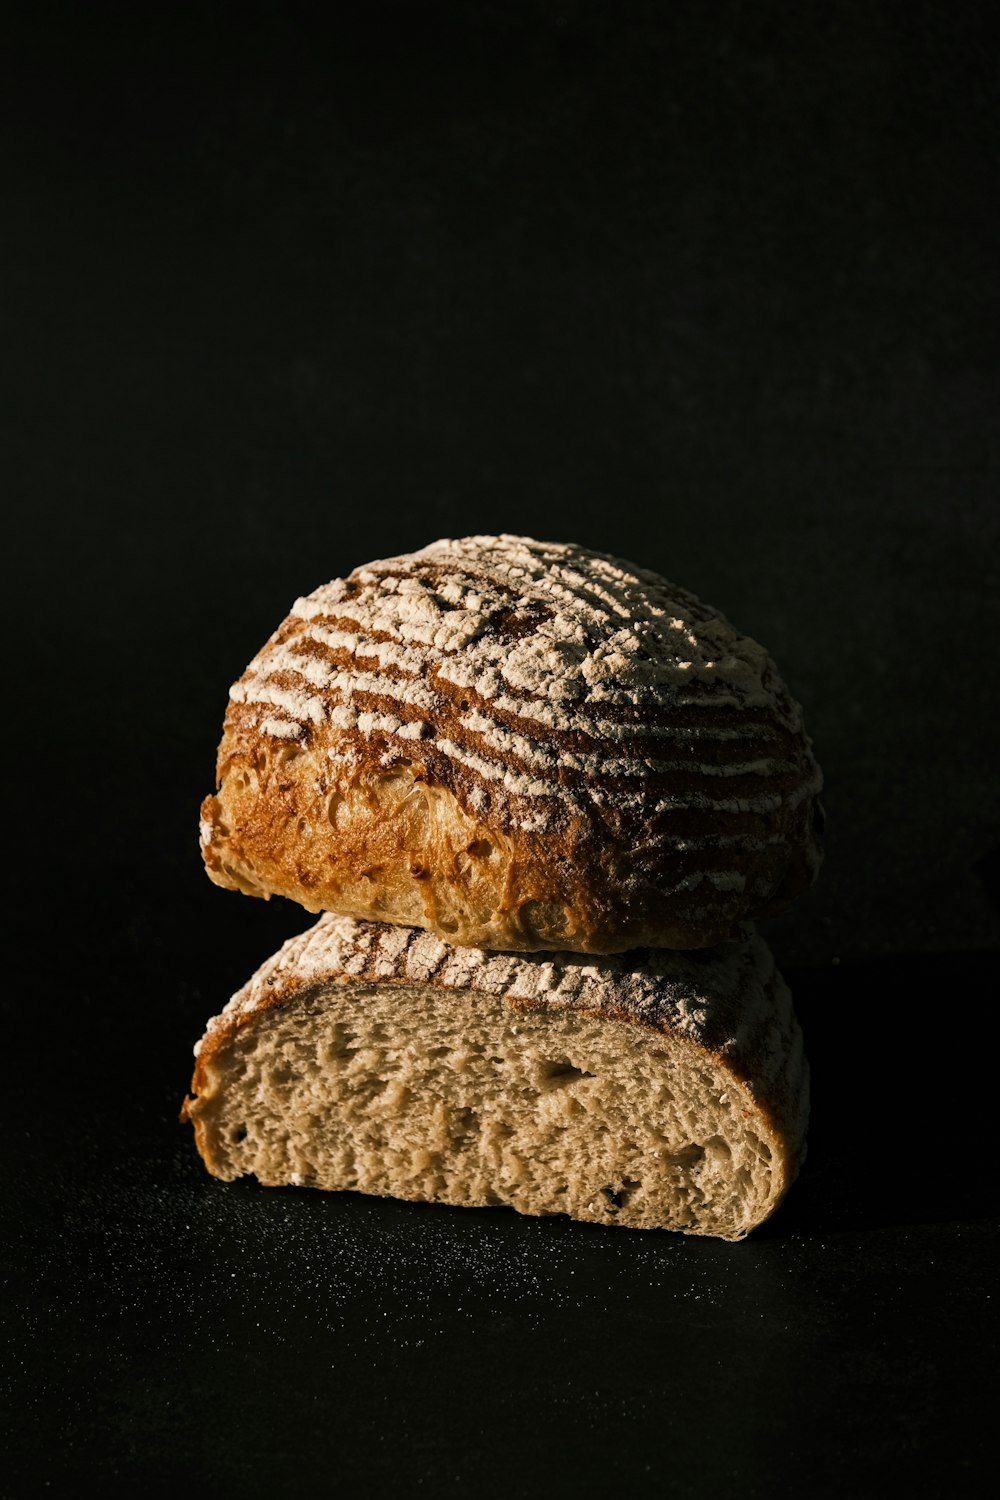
(516, 745)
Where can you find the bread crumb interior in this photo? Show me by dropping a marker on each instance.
(421, 1093)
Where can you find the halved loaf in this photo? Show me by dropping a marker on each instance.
(516, 745)
(652, 1090)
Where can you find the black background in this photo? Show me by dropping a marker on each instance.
(285, 288)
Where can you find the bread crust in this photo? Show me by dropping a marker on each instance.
(516, 746)
(729, 1007)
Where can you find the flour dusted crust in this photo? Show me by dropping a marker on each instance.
(516, 745)
(651, 1090)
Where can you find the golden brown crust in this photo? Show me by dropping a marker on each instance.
(516, 746)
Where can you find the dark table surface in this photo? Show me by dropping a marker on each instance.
(701, 286)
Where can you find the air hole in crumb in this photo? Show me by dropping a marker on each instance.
(238, 1133)
(758, 1146)
(448, 926)
(339, 1046)
(558, 1074)
(717, 1148)
(618, 1196)
(687, 1156)
(480, 848)
(463, 1125)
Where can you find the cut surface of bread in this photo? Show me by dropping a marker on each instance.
(653, 1090)
(516, 745)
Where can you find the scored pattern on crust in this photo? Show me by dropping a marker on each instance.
(542, 681)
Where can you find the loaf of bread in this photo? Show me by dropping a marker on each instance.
(516, 745)
(653, 1090)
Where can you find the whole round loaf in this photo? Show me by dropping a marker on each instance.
(516, 745)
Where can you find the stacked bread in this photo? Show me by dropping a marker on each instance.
(538, 795)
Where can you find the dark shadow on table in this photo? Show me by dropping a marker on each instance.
(901, 1052)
